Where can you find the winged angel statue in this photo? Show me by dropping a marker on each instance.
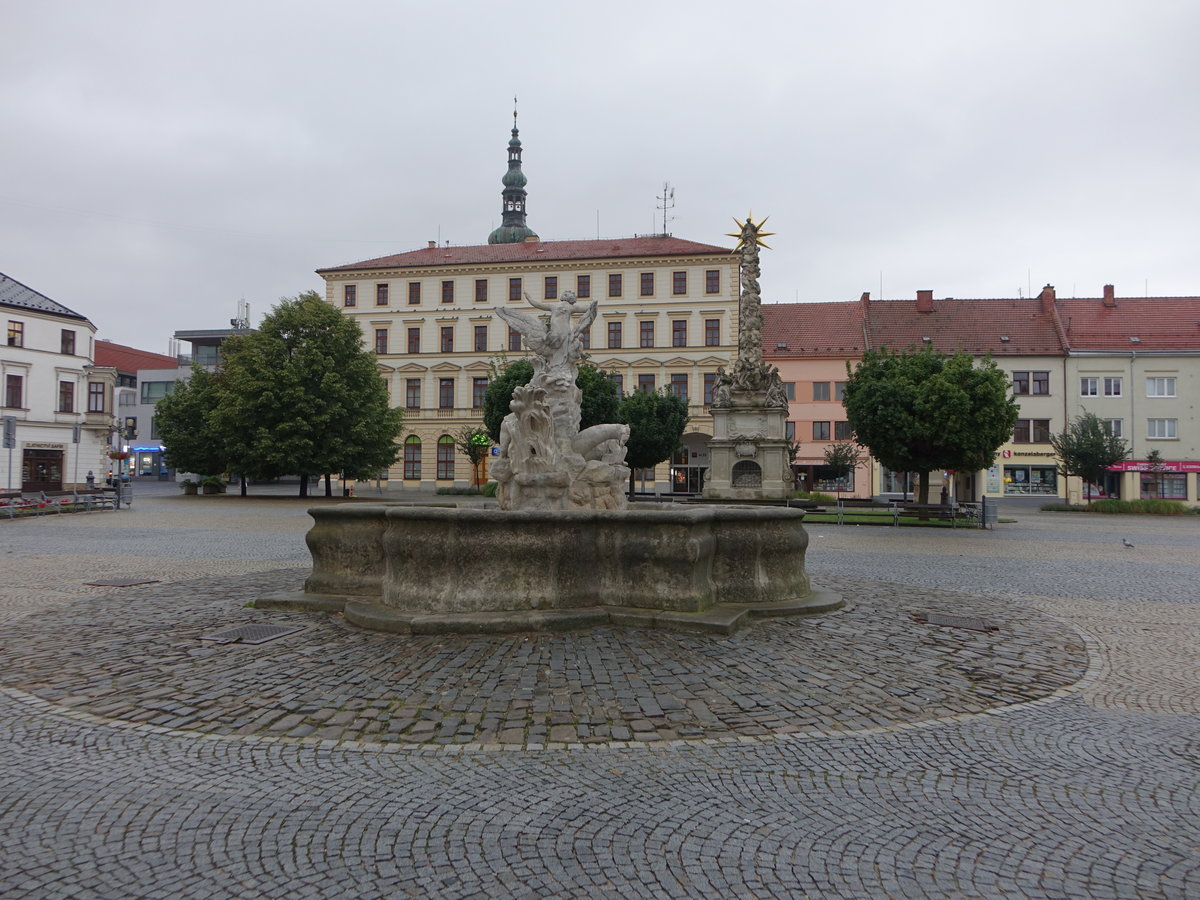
(545, 461)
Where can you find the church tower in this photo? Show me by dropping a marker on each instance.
(513, 229)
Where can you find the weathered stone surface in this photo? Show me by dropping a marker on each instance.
(445, 562)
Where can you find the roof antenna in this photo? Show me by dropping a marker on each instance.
(666, 201)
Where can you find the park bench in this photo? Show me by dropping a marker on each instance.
(967, 513)
(865, 504)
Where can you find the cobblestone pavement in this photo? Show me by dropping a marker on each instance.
(856, 754)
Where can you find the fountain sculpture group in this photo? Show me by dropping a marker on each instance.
(563, 550)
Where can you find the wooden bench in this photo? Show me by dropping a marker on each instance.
(853, 504)
(97, 498)
(943, 512)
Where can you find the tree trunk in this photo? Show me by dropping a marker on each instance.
(243, 485)
(328, 484)
(923, 487)
(303, 485)
(632, 484)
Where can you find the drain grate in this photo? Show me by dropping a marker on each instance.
(955, 622)
(250, 634)
(120, 582)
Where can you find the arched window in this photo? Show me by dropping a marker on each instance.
(412, 457)
(445, 458)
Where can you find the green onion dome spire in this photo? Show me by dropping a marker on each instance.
(513, 229)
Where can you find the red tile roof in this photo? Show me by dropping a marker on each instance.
(1159, 323)
(976, 326)
(812, 329)
(129, 359)
(535, 252)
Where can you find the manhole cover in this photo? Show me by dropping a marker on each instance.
(955, 622)
(250, 634)
(120, 582)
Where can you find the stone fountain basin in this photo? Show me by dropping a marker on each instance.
(435, 569)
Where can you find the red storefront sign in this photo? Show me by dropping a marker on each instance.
(1135, 466)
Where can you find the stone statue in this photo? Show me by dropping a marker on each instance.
(545, 461)
(752, 382)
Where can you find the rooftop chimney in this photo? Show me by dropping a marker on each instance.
(432, 245)
(924, 301)
(1047, 298)
(1110, 295)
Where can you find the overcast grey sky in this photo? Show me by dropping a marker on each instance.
(162, 161)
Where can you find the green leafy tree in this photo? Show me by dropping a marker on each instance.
(474, 444)
(599, 404)
(1086, 449)
(841, 459)
(184, 419)
(302, 397)
(918, 411)
(656, 420)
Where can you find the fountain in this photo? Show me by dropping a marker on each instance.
(563, 550)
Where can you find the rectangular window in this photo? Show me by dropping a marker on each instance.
(412, 393)
(712, 281)
(645, 383)
(514, 339)
(1161, 429)
(820, 431)
(481, 338)
(585, 338)
(820, 390)
(841, 431)
(583, 286)
(647, 284)
(96, 396)
(1089, 387)
(16, 333)
(1164, 486)
(481, 290)
(412, 458)
(1112, 387)
(1116, 427)
(14, 389)
(381, 341)
(551, 287)
(445, 393)
(1041, 383)
(614, 335)
(679, 385)
(68, 342)
(153, 391)
(381, 295)
(479, 388)
(1032, 431)
(1160, 387)
(350, 295)
(447, 291)
(679, 333)
(1020, 382)
(710, 385)
(712, 332)
(445, 458)
(514, 289)
(645, 334)
(619, 381)
(414, 293)
(789, 390)
(414, 340)
(839, 391)
(447, 338)
(789, 431)
(66, 396)
(678, 283)
(614, 285)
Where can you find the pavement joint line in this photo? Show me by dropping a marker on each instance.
(1096, 669)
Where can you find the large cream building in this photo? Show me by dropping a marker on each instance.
(667, 319)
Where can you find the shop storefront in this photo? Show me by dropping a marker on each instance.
(1029, 473)
(148, 462)
(1164, 480)
(689, 463)
(42, 466)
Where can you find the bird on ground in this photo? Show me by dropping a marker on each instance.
(1126, 543)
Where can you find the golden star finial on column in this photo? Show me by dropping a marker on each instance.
(750, 229)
